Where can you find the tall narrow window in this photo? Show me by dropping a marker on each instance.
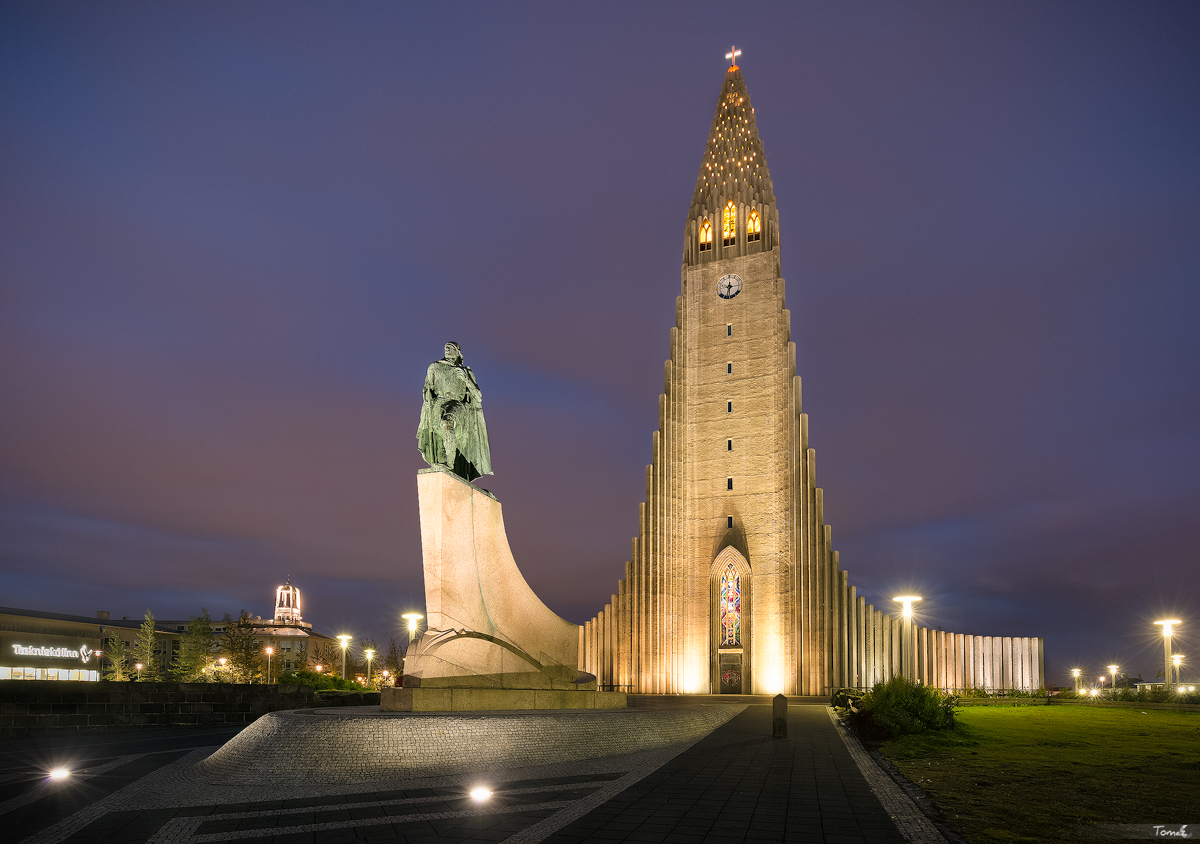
(729, 445)
(705, 236)
(729, 522)
(729, 329)
(729, 369)
(729, 483)
(731, 607)
(753, 227)
(729, 224)
(729, 407)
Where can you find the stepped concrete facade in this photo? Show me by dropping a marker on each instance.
(733, 584)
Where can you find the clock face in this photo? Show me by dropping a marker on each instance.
(729, 286)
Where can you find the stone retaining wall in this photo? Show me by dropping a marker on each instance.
(40, 707)
(361, 744)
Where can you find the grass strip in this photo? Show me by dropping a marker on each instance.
(1051, 773)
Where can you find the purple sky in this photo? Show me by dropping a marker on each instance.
(234, 235)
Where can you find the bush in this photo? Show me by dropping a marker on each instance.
(319, 682)
(900, 707)
(843, 698)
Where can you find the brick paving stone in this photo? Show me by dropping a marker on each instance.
(742, 785)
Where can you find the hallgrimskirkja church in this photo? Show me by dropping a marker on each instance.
(733, 585)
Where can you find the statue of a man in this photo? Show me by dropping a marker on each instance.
(452, 432)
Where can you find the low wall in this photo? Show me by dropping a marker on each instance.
(40, 707)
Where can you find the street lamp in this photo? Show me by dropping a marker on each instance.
(320, 668)
(369, 654)
(1177, 660)
(345, 640)
(907, 662)
(223, 660)
(1112, 671)
(139, 668)
(1168, 627)
(1075, 672)
(269, 652)
(412, 618)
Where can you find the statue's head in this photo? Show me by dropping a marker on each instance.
(453, 352)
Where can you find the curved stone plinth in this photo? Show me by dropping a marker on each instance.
(348, 745)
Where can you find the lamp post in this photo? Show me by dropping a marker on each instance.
(412, 618)
(1177, 660)
(1168, 626)
(369, 655)
(345, 640)
(269, 652)
(907, 663)
(1076, 672)
(1112, 672)
(139, 668)
(223, 660)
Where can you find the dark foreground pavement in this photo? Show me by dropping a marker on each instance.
(735, 785)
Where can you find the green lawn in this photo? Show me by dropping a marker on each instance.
(1046, 773)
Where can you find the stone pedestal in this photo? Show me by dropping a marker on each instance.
(488, 631)
(452, 699)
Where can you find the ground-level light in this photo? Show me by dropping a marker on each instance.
(59, 774)
(479, 793)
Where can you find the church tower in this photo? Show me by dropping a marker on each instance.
(732, 585)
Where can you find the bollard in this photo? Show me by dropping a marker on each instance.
(779, 717)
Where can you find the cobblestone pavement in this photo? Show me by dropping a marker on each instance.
(735, 784)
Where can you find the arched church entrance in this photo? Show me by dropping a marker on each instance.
(729, 588)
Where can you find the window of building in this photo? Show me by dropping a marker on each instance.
(729, 369)
(729, 330)
(753, 227)
(705, 236)
(729, 445)
(729, 224)
(729, 521)
(731, 608)
(729, 407)
(729, 483)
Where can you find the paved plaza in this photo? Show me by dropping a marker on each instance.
(736, 784)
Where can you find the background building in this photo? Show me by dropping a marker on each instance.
(52, 646)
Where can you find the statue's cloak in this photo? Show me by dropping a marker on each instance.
(451, 391)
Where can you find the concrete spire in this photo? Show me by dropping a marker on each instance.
(734, 164)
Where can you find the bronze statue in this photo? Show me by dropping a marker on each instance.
(452, 432)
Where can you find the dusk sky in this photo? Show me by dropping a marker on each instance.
(234, 235)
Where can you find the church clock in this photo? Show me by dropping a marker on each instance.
(729, 286)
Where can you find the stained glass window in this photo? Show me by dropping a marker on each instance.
(753, 226)
(705, 236)
(729, 224)
(731, 608)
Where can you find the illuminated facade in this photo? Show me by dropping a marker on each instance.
(733, 585)
(54, 646)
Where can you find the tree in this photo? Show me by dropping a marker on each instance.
(196, 649)
(241, 648)
(394, 661)
(145, 646)
(299, 656)
(114, 652)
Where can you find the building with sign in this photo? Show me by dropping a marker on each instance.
(52, 646)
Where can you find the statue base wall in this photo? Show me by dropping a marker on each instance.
(495, 700)
(491, 643)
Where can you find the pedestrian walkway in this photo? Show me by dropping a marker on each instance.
(739, 784)
(736, 784)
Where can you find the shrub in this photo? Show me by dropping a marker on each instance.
(319, 682)
(842, 698)
(899, 707)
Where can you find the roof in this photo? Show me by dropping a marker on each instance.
(129, 624)
(734, 164)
